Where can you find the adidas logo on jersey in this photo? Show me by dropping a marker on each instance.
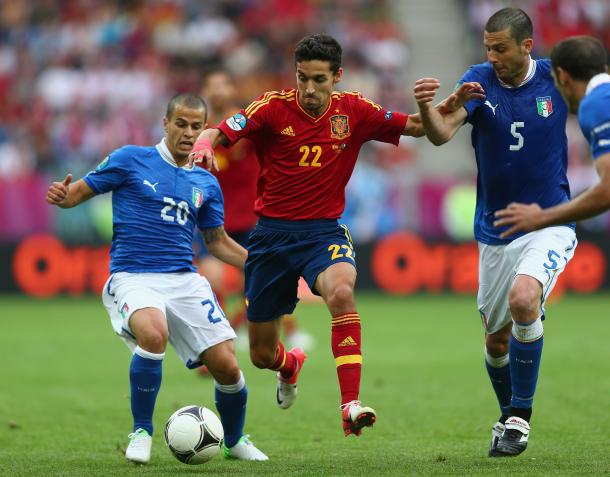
(349, 341)
(288, 131)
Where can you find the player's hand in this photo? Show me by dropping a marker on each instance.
(463, 94)
(203, 152)
(522, 218)
(425, 89)
(58, 191)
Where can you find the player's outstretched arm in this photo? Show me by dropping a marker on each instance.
(203, 149)
(65, 195)
(223, 247)
(528, 217)
(441, 123)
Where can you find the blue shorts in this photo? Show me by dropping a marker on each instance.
(201, 251)
(282, 251)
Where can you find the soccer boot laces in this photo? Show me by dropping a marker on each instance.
(355, 417)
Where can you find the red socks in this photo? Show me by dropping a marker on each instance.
(345, 342)
(284, 362)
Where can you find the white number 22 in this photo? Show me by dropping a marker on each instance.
(513, 131)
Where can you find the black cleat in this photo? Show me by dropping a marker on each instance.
(514, 439)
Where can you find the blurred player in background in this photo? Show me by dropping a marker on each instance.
(307, 141)
(154, 293)
(238, 173)
(521, 151)
(581, 75)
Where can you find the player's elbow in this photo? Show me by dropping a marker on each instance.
(438, 139)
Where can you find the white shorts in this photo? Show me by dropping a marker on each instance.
(542, 254)
(195, 321)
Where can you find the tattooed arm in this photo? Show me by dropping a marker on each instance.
(224, 247)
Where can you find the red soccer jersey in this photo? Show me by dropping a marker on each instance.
(306, 161)
(237, 175)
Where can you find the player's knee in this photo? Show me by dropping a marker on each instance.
(228, 374)
(523, 303)
(154, 340)
(497, 346)
(262, 358)
(341, 296)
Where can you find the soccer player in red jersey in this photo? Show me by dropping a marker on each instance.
(307, 141)
(237, 176)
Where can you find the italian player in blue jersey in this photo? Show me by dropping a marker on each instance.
(518, 133)
(581, 75)
(154, 293)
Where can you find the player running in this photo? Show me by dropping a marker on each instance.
(237, 176)
(521, 151)
(580, 71)
(154, 293)
(307, 141)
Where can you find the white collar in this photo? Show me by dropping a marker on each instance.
(531, 69)
(163, 151)
(597, 80)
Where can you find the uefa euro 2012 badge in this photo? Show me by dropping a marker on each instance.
(237, 122)
(102, 164)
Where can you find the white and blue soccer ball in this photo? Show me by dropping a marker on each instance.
(194, 434)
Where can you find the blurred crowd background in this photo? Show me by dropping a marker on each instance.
(79, 78)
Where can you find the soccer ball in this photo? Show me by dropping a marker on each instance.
(194, 434)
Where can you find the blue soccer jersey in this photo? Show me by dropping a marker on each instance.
(156, 208)
(520, 145)
(594, 115)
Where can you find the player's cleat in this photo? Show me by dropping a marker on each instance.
(514, 439)
(138, 450)
(496, 432)
(355, 417)
(243, 450)
(286, 391)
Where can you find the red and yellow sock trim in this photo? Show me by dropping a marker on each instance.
(347, 319)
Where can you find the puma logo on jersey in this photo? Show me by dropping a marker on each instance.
(152, 186)
(493, 108)
(288, 131)
(349, 341)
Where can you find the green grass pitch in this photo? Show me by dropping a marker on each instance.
(64, 405)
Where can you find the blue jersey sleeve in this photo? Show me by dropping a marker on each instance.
(111, 173)
(471, 75)
(594, 119)
(211, 213)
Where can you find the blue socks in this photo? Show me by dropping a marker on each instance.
(499, 375)
(525, 355)
(145, 380)
(230, 400)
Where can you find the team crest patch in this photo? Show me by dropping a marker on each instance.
(545, 106)
(124, 310)
(339, 126)
(197, 197)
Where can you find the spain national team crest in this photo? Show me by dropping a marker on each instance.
(339, 126)
(545, 106)
(197, 197)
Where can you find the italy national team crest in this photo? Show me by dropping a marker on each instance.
(197, 197)
(545, 106)
(339, 126)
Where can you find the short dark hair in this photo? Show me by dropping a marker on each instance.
(188, 100)
(582, 57)
(516, 19)
(319, 47)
